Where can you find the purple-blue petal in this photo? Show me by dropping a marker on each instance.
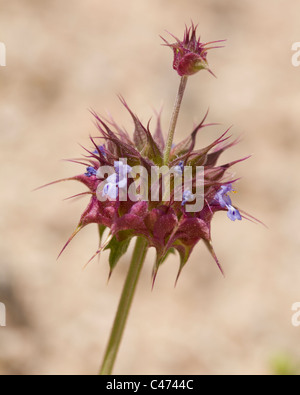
(233, 214)
(90, 171)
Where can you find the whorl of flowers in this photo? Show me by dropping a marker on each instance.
(167, 226)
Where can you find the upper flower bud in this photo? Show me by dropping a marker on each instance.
(190, 55)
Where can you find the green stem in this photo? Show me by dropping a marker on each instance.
(174, 119)
(125, 303)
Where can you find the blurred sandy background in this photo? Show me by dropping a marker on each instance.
(65, 57)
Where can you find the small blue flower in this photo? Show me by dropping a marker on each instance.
(111, 188)
(90, 171)
(121, 172)
(101, 149)
(221, 196)
(225, 201)
(121, 168)
(179, 168)
(116, 181)
(187, 197)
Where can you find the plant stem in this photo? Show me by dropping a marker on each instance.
(174, 119)
(125, 303)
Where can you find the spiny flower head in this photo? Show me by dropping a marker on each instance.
(167, 224)
(190, 55)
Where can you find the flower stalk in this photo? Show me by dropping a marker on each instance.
(138, 259)
(173, 123)
(125, 303)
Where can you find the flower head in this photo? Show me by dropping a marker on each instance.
(166, 225)
(190, 55)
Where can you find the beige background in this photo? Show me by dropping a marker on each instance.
(65, 57)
